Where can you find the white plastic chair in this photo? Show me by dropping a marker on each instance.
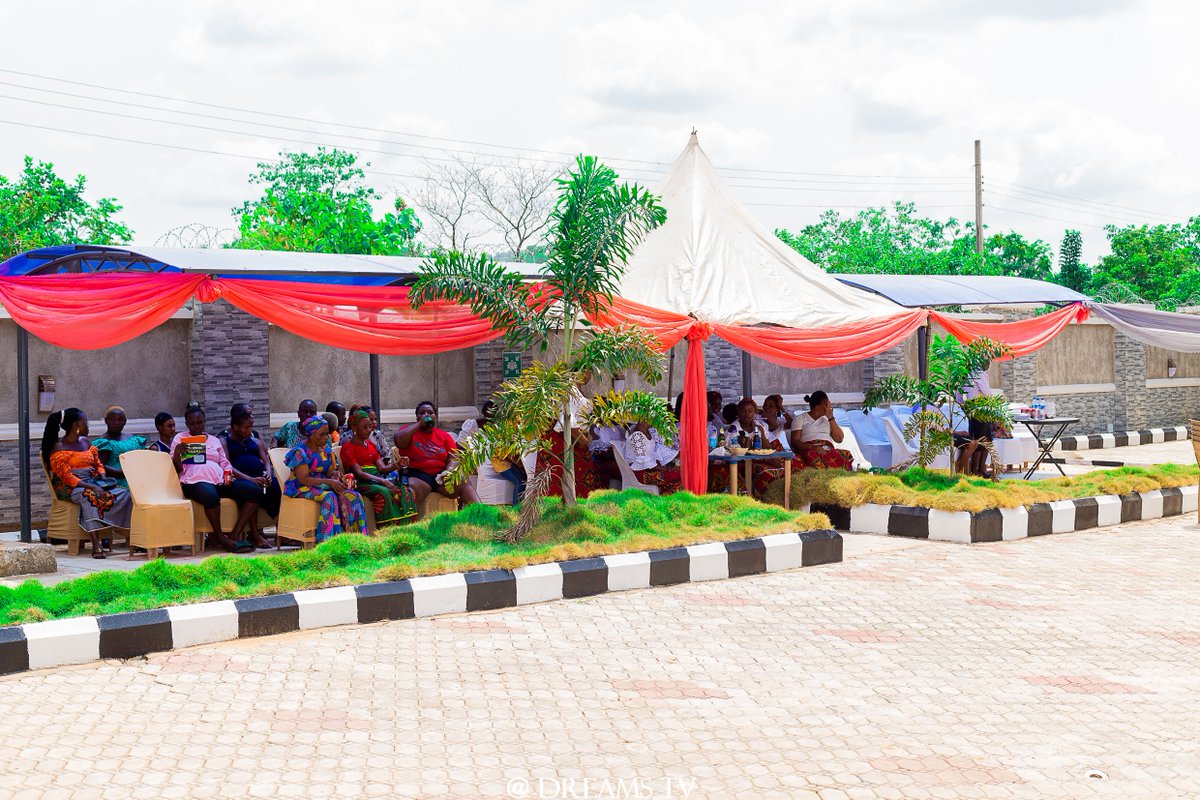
(850, 442)
(902, 451)
(628, 477)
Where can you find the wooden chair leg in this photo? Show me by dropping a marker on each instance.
(73, 547)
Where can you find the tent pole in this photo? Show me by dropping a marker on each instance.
(923, 352)
(671, 375)
(747, 378)
(375, 385)
(23, 432)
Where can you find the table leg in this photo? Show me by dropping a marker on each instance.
(1050, 446)
(787, 484)
(733, 478)
(749, 477)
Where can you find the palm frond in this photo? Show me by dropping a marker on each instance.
(491, 291)
(989, 408)
(893, 389)
(623, 408)
(619, 350)
(596, 224)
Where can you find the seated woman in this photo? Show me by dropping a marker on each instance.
(428, 449)
(777, 419)
(115, 441)
(202, 467)
(381, 442)
(814, 435)
(746, 424)
(377, 479)
(512, 471)
(315, 477)
(587, 479)
(164, 423)
(714, 408)
(251, 467)
(77, 474)
(651, 460)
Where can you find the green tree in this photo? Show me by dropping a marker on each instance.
(1072, 272)
(319, 202)
(39, 209)
(952, 367)
(1157, 262)
(899, 241)
(595, 225)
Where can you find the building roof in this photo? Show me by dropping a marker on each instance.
(916, 291)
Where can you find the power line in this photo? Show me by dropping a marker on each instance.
(1034, 200)
(657, 164)
(1040, 216)
(206, 151)
(844, 205)
(1155, 214)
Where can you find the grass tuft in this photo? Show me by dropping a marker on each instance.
(607, 523)
(939, 490)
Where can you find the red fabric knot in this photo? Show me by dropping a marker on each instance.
(209, 290)
(699, 331)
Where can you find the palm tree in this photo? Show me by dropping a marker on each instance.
(952, 368)
(594, 227)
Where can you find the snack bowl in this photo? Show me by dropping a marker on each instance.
(736, 451)
(765, 451)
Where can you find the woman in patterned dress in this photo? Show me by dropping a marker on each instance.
(815, 436)
(77, 474)
(315, 477)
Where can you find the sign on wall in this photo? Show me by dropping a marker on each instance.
(511, 364)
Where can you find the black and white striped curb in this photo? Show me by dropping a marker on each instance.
(1098, 441)
(82, 639)
(1004, 524)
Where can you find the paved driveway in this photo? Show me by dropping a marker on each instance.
(933, 670)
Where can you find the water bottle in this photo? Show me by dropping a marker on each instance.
(758, 443)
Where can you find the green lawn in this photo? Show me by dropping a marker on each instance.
(608, 522)
(940, 490)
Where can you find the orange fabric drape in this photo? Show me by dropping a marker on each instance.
(667, 326)
(90, 312)
(1023, 336)
(369, 319)
(824, 347)
(693, 423)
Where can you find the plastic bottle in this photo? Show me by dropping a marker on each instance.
(758, 443)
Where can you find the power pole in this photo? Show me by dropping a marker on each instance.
(978, 200)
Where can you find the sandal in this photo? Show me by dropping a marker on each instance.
(98, 554)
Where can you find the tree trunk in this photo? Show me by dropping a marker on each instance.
(568, 454)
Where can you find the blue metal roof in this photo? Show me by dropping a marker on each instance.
(356, 270)
(919, 291)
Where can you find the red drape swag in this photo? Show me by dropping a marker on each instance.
(90, 312)
(1023, 336)
(824, 347)
(375, 319)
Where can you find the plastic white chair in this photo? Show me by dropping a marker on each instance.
(297, 515)
(868, 433)
(628, 477)
(850, 442)
(902, 451)
(162, 516)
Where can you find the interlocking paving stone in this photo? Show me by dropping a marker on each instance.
(1008, 669)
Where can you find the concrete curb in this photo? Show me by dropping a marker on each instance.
(80, 640)
(1004, 524)
(1098, 441)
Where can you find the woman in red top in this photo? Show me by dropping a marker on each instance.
(428, 449)
(377, 479)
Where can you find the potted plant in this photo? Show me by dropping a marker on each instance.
(1171, 368)
(939, 397)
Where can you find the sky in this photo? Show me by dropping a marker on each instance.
(1086, 109)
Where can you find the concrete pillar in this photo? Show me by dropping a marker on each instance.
(230, 352)
(1131, 411)
(723, 368)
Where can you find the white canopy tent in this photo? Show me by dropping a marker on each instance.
(712, 259)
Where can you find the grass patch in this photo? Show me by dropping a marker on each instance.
(945, 492)
(608, 522)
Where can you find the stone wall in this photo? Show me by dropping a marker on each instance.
(229, 359)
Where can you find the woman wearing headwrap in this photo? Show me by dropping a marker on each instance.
(77, 474)
(115, 441)
(377, 479)
(315, 477)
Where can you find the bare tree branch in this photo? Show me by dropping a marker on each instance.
(448, 199)
(516, 197)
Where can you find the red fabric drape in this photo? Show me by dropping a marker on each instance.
(369, 319)
(824, 347)
(667, 326)
(693, 424)
(1023, 336)
(90, 312)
